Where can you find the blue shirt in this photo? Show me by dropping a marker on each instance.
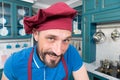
(16, 66)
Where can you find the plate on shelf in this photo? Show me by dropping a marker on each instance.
(21, 12)
(3, 20)
(4, 31)
(22, 32)
(21, 21)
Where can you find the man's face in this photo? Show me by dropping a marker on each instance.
(52, 44)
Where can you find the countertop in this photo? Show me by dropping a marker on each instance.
(91, 68)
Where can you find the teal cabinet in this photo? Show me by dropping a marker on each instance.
(12, 13)
(88, 46)
(110, 4)
(106, 16)
(91, 6)
(5, 19)
(22, 10)
(1, 70)
(93, 13)
(93, 76)
(102, 10)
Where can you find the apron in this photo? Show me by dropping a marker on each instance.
(30, 65)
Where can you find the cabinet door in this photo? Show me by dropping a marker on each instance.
(91, 5)
(1, 70)
(90, 76)
(12, 13)
(110, 4)
(21, 12)
(88, 46)
(96, 77)
(5, 20)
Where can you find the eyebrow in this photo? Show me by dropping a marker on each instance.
(69, 37)
(56, 36)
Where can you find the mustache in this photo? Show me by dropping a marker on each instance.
(53, 54)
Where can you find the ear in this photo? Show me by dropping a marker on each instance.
(35, 34)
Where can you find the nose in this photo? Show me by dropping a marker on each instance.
(57, 48)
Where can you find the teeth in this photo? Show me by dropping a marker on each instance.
(54, 57)
(51, 55)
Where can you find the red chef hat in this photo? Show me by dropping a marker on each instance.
(57, 16)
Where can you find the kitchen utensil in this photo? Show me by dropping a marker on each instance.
(99, 37)
(115, 35)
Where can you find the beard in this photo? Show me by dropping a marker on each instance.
(51, 62)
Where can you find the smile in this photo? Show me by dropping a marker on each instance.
(53, 57)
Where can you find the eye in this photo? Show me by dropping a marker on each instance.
(67, 41)
(51, 39)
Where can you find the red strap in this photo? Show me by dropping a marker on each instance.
(30, 65)
(65, 67)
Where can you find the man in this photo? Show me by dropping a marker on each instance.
(53, 58)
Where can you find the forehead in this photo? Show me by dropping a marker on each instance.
(56, 32)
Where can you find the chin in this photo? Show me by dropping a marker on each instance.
(53, 63)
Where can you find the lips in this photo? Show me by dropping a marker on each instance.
(53, 56)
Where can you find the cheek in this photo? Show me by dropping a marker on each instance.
(43, 45)
(64, 48)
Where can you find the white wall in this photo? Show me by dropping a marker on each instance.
(110, 49)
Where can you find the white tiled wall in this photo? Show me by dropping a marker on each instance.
(5, 51)
(110, 49)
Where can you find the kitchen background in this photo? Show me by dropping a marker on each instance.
(109, 49)
(94, 16)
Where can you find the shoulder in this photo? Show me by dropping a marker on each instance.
(16, 62)
(73, 58)
(72, 52)
(19, 57)
(71, 49)
(22, 53)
